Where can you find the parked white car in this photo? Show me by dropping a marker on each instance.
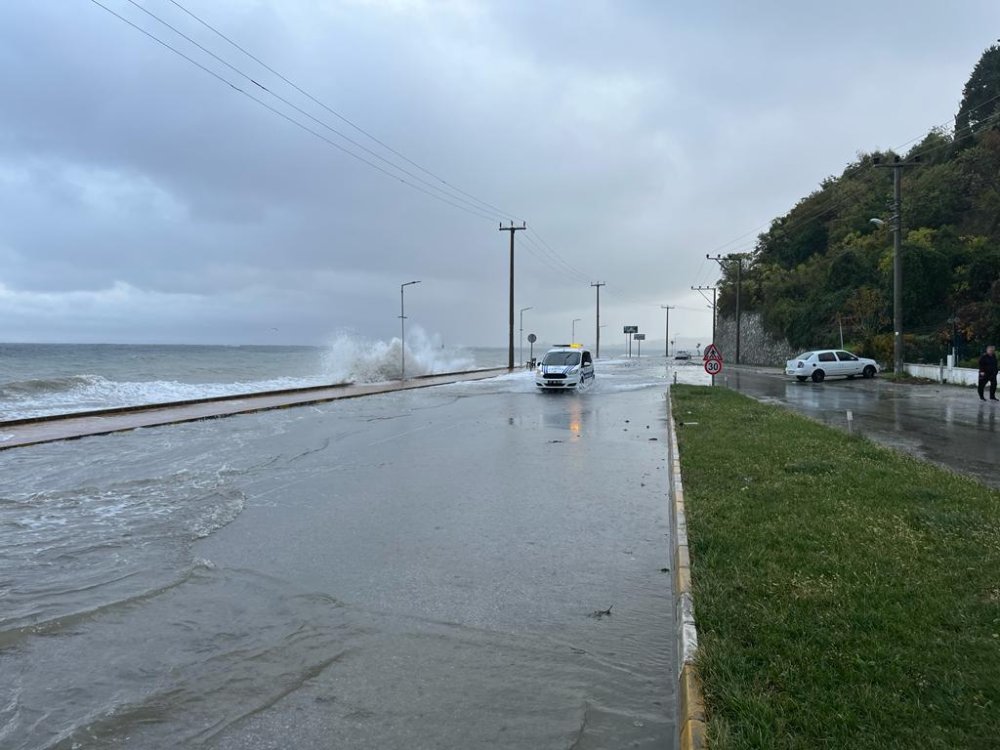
(821, 364)
(562, 367)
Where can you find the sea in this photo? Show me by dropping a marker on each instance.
(38, 380)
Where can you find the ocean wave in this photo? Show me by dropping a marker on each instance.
(25, 389)
(348, 358)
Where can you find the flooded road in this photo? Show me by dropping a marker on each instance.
(421, 569)
(945, 424)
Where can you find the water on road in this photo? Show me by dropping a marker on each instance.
(945, 424)
(421, 569)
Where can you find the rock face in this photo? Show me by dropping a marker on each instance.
(757, 347)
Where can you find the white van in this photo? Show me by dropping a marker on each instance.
(565, 366)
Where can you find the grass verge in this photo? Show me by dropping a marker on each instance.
(847, 596)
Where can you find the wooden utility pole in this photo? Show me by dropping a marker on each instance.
(597, 337)
(510, 343)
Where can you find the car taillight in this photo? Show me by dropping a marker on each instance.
(800, 364)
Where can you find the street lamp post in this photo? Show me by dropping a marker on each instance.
(520, 338)
(402, 330)
(573, 335)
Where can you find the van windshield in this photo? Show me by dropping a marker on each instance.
(562, 359)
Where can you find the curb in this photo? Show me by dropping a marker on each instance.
(690, 698)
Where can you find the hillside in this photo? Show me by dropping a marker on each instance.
(826, 263)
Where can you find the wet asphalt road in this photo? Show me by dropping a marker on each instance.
(411, 570)
(945, 424)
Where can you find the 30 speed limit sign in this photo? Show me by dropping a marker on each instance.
(713, 367)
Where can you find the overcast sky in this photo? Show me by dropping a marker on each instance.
(143, 200)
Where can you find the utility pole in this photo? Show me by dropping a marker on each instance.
(666, 333)
(597, 337)
(510, 339)
(897, 166)
(738, 257)
(572, 337)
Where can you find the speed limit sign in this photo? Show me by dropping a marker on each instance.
(713, 366)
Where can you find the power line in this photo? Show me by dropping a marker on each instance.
(288, 117)
(541, 249)
(338, 115)
(301, 111)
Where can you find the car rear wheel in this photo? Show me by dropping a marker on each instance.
(801, 378)
(869, 372)
(819, 376)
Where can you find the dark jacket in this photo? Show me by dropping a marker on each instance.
(987, 365)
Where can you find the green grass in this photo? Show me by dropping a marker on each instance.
(847, 596)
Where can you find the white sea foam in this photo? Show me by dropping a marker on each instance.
(347, 358)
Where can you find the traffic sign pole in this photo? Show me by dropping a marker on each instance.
(713, 361)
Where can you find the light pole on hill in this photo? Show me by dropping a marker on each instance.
(572, 336)
(896, 166)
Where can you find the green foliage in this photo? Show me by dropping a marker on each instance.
(980, 103)
(825, 263)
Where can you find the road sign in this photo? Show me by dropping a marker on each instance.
(712, 353)
(640, 337)
(532, 338)
(713, 366)
(631, 329)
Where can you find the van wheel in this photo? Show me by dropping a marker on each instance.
(819, 376)
(869, 372)
(801, 378)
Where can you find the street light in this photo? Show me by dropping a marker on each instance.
(402, 330)
(521, 331)
(573, 335)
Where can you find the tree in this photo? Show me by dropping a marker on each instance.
(980, 103)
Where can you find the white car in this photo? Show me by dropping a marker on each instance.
(563, 367)
(829, 363)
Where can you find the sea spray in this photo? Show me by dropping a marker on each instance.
(351, 358)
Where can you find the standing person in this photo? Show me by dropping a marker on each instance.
(988, 373)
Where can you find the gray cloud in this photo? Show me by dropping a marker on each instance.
(141, 199)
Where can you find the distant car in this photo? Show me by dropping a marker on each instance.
(821, 364)
(564, 367)
(682, 354)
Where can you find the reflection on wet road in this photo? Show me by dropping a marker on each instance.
(415, 569)
(948, 425)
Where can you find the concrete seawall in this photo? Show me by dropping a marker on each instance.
(22, 432)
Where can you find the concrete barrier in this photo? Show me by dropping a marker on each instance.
(944, 374)
(690, 698)
(17, 433)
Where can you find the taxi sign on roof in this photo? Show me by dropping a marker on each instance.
(712, 353)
